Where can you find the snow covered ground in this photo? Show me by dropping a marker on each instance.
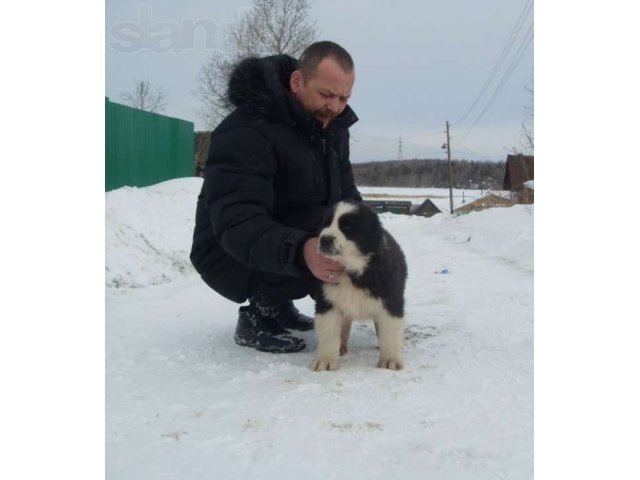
(183, 401)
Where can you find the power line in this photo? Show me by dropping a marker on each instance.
(514, 62)
(501, 58)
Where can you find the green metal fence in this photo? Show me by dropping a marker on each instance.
(143, 148)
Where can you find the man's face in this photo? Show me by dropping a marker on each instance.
(326, 93)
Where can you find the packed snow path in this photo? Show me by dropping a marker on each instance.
(183, 401)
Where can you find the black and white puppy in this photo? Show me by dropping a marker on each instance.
(371, 287)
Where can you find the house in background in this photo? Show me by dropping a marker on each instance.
(518, 178)
(426, 209)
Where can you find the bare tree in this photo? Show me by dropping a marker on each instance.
(146, 97)
(269, 27)
(273, 27)
(211, 91)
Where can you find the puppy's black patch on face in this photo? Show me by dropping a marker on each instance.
(362, 227)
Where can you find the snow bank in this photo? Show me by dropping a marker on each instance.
(149, 230)
(503, 233)
(148, 233)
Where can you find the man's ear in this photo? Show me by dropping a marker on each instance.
(295, 81)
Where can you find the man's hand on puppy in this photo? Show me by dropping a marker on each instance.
(322, 268)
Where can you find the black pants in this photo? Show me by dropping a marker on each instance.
(237, 283)
(280, 286)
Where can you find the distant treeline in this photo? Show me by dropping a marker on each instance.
(430, 173)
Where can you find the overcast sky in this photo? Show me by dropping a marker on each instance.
(418, 64)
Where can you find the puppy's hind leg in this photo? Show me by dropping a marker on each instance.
(328, 326)
(344, 334)
(391, 339)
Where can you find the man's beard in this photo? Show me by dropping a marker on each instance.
(324, 115)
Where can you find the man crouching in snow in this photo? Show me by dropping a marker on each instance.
(276, 165)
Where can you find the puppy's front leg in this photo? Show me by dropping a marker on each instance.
(328, 326)
(391, 338)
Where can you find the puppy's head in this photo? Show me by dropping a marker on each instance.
(349, 235)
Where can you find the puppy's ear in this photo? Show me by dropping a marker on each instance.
(370, 215)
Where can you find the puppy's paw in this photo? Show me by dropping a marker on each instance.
(343, 350)
(320, 364)
(394, 363)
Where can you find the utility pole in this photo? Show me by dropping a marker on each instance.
(400, 149)
(450, 171)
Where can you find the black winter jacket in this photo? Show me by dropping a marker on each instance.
(270, 177)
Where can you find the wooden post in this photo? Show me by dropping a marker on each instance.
(450, 171)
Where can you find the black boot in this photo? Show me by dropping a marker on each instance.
(263, 333)
(290, 317)
(283, 311)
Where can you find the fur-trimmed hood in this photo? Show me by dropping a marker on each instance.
(261, 85)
